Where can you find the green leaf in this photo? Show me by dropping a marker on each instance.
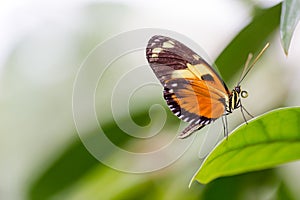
(290, 16)
(267, 141)
(249, 40)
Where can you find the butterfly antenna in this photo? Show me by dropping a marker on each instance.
(246, 68)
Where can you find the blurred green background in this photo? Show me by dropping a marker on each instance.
(43, 44)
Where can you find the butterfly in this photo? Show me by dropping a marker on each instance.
(193, 90)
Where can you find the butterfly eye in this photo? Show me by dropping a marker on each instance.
(237, 89)
(244, 94)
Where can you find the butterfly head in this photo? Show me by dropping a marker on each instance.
(235, 98)
(242, 93)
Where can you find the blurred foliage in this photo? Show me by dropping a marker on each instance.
(75, 174)
(73, 164)
(284, 193)
(252, 185)
(249, 40)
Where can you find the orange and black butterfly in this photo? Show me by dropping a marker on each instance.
(193, 90)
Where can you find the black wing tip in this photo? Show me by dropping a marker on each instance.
(158, 39)
(155, 41)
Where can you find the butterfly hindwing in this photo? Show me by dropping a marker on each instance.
(193, 90)
(190, 129)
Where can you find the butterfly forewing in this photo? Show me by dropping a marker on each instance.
(193, 90)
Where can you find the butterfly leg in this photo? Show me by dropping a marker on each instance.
(247, 112)
(239, 105)
(225, 125)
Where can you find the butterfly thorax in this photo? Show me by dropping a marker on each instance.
(235, 98)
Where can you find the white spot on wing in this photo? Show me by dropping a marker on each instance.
(174, 85)
(168, 44)
(200, 69)
(171, 42)
(157, 50)
(196, 56)
(186, 119)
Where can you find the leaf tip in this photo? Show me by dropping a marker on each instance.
(286, 51)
